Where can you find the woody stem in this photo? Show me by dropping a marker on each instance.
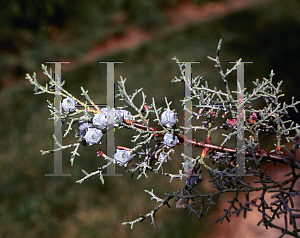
(266, 155)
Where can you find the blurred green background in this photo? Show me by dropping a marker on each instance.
(32, 205)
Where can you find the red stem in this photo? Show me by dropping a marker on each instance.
(267, 155)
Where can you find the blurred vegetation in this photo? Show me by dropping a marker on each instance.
(32, 205)
(64, 29)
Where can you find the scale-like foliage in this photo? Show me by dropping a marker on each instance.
(212, 105)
